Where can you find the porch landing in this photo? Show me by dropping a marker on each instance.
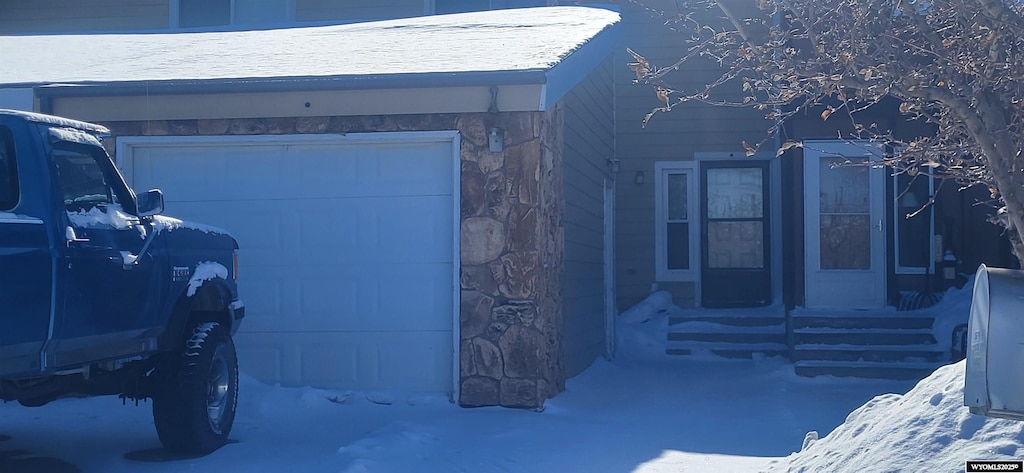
(870, 344)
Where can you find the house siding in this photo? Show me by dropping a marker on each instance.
(51, 16)
(57, 16)
(325, 10)
(675, 136)
(589, 144)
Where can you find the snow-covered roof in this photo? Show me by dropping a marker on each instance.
(528, 40)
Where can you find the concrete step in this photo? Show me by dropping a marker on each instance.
(694, 326)
(730, 320)
(729, 337)
(887, 353)
(866, 369)
(865, 321)
(728, 350)
(873, 336)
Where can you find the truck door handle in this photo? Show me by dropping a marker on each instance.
(72, 238)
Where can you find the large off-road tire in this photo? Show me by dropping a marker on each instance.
(194, 406)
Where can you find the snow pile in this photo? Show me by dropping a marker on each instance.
(642, 329)
(954, 309)
(656, 305)
(927, 429)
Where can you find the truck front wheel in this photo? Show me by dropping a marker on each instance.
(194, 406)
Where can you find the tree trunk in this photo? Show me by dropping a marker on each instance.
(986, 122)
(1014, 201)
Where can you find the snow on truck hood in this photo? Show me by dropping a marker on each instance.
(164, 222)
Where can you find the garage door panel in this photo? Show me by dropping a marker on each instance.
(380, 360)
(292, 172)
(325, 297)
(181, 171)
(256, 226)
(412, 297)
(364, 360)
(269, 295)
(377, 170)
(385, 230)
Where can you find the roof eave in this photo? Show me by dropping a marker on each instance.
(292, 84)
(569, 72)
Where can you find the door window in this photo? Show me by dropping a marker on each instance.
(675, 227)
(81, 180)
(194, 13)
(913, 215)
(735, 218)
(845, 210)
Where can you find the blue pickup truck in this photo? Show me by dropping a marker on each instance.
(102, 295)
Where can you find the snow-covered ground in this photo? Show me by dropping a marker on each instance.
(639, 413)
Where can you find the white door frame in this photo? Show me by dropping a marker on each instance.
(125, 146)
(844, 288)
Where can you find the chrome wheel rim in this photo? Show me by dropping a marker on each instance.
(218, 386)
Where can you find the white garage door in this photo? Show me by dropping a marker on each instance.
(347, 248)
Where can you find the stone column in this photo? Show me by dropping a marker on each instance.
(511, 223)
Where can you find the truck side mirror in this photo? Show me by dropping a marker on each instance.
(992, 382)
(151, 203)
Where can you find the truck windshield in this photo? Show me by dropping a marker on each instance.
(81, 180)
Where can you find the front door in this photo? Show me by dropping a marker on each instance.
(844, 229)
(735, 268)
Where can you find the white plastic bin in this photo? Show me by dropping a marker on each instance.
(994, 384)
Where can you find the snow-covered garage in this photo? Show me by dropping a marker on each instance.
(421, 204)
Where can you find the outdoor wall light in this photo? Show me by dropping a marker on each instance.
(613, 166)
(639, 178)
(495, 139)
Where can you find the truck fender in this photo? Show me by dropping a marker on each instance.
(209, 303)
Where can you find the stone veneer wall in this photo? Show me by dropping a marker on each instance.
(511, 259)
(511, 238)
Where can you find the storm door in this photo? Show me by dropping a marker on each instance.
(844, 229)
(735, 271)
